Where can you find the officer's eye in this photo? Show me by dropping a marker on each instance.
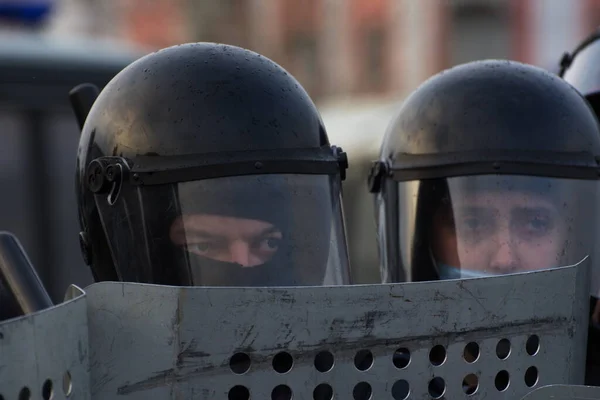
(540, 224)
(199, 247)
(203, 247)
(472, 223)
(537, 227)
(270, 243)
(534, 222)
(475, 226)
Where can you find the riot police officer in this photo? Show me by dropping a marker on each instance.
(581, 68)
(208, 164)
(488, 168)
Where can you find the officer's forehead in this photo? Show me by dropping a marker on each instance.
(502, 199)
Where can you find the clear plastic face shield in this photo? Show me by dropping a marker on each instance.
(484, 225)
(267, 230)
(270, 229)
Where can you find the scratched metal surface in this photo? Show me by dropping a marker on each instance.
(45, 354)
(564, 392)
(157, 342)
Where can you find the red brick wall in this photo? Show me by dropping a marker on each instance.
(370, 17)
(155, 23)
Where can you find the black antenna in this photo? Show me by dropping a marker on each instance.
(82, 99)
(19, 276)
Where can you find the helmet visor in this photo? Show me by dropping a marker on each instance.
(485, 225)
(253, 230)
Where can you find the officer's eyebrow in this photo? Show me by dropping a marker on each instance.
(268, 231)
(542, 209)
(199, 233)
(534, 210)
(476, 209)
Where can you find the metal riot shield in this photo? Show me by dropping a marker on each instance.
(498, 338)
(44, 355)
(564, 392)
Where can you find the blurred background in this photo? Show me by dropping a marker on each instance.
(358, 59)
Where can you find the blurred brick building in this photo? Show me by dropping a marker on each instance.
(357, 47)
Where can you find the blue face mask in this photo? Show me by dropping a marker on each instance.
(448, 272)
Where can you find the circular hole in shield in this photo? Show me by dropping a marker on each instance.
(532, 345)
(47, 390)
(282, 362)
(324, 361)
(239, 392)
(281, 392)
(470, 384)
(401, 358)
(502, 380)
(531, 376)
(400, 390)
(1, 397)
(503, 349)
(471, 353)
(437, 355)
(239, 363)
(323, 392)
(363, 360)
(25, 394)
(362, 391)
(437, 387)
(67, 384)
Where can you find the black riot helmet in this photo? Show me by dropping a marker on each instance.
(490, 167)
(581, 68)
(208, 165)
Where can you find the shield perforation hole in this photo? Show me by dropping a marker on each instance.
(1, 397)
(502, 380)
(47, 390)
(363, 360)
(283, 362)
(239, 392)
(239, 363)
(25, 394)
(503, 349)
(400, 390)
(437, 388)
(323, 392)
(471, 353)
(324, 361)
(67, 384)
(532, 345)
(281, 392)
(362, 391)
(470, 384)
(437, 355)
(401, 358)
(531, 376)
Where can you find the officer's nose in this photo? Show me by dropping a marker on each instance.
(240, 253)
(504, 259)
